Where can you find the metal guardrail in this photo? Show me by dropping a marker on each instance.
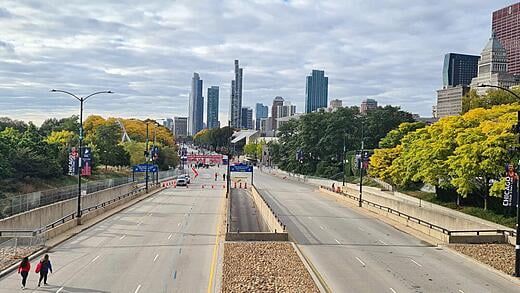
(422, 222)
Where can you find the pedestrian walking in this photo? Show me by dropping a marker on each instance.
(23, 269)
(216, 176)
(333, 187)
(44, 267)
(224, 177)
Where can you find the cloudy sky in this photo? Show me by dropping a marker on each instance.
(147, 51)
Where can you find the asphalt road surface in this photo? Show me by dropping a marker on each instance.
(243, 212)
(162, 244)
(358, 253)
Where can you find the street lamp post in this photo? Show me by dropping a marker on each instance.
(361, 166)
(146, 156)
(516, 130)
(80, 162)
(344, 157)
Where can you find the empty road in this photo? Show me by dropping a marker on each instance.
(162, 244)
(358, 253)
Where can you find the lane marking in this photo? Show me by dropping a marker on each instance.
(461, 291)
(360, 228)
(416, 262)
(337, 241)
(309, 218)
(150, 214)
(95, 258)
(121, 238)
(361, 261)
(393, 291)
(178, 224)
(137, 289)
(383, 242)
(59, 290)
(155, 258)
(170, 237)
(321, 228)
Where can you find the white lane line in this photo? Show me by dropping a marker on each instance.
(170, 236)
(416, 262)
(361, 261)
(321, 227)
(150, 214)
(383, 242)
(121, 238)
(155, 258)
(95, 258)
(461, 291)
(59, 290)
(360, 228)
(178, 224)
(137, 289)
(337, 241)
(393, 291)
(309, 218)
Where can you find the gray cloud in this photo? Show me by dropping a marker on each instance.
(146, 52)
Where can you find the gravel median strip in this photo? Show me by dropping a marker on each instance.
(264, 267)
(498, 256)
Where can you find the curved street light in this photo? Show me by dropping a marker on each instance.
(81, 100)
(516, 129)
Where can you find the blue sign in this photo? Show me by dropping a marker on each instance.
(143, 167)
(241, 168)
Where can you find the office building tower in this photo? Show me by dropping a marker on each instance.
(492, 67)
(449, 100)
(285, 110)
(196, 106)
(459, 69)
(278, 101)
(261, 111)
(168, 123)
(212, 110)
(367, 105)
(235, 105)
(334, 104)
(316, 91)
(506, 25)
(180, 126)
(247, 118)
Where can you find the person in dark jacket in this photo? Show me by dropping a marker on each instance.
(44, 267)
(23, 269)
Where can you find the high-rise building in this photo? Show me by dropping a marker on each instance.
(168, 123)
(213, 99)
(235, 106)
(367, 105)
(316, 91)
(459, 69)
(285, 110)
(247, 118)
(449, 100)
(278, 101)
(180, 126)
(196, 106)
(337, 103)
(506, 25)
(261, 111)
(492, 67)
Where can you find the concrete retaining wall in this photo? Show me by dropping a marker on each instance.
(274, 225)
(256, 236)
(45, 215)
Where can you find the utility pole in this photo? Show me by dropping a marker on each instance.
(80, 159)
(146, 154)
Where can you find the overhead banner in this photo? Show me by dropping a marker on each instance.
(215, 159)
(511, 189)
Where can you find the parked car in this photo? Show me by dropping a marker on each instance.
(181, 181)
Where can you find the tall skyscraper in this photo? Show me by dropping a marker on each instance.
(285, 110)
(261, 111)
(213, 99)
(235, 106)
(316, 91)
(196, 106)
(180, 126)
(247, 118)
(506, 26)
(459, 69)
(278, 101)
(337, 103)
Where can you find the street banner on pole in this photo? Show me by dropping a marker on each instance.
(510, 198)
(73, 162)
(86, 158)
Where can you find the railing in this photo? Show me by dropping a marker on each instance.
(422, 222)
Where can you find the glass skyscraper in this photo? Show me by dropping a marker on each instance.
(247, 118)
(261, 111)
(459, 69)
(212, 110)
(316, 91)
(235, 106)
(196, 106)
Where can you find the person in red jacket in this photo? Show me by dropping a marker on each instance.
(23, 269)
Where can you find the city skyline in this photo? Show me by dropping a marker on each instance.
(150, 71)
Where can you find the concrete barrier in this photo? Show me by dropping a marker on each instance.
(274, 224)
(42, 216)
(256, 236)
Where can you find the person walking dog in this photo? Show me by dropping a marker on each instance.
(23, 269)
(44, 267)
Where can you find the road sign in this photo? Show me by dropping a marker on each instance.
(241, 168)
(143, 167)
